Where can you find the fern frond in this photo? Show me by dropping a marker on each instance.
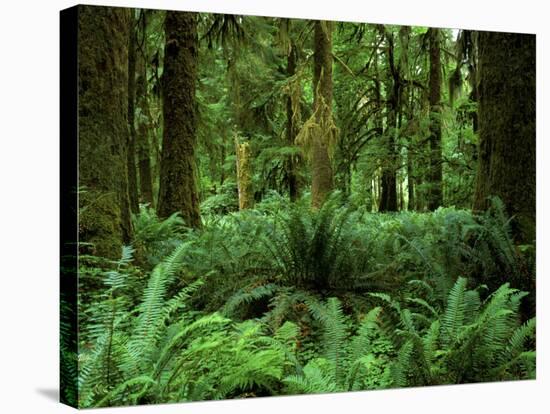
(453, 317)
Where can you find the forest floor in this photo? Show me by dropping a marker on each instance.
(282, 299)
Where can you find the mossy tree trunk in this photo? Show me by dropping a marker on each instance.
(322, 175)
(388, 198)
(143, 121)
(244, 174)
(104, 218)
(291, 126)
(379, 123)
(435, 174)
(178, 187)
(132, 171)
(410, 158)
(507, 122)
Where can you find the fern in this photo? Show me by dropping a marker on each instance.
(246, 296)
(469, 342)
(453, 317)
(318, 377)
(312, 248)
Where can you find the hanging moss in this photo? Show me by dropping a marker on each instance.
(323, 127)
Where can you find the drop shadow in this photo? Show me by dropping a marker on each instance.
(51, 394)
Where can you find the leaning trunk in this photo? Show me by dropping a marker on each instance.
(104, 219)
(178, 188)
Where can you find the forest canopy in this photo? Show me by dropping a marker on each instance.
(273, 206)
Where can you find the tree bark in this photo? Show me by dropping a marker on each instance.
(291, 127)
(507, 128)
(410, 159)
(322, 175)
(132, 171)
(388, 199)
(244, 174)
(143, 124)
(435, 175)
(104, 219)
(410, 181)
(178, 188)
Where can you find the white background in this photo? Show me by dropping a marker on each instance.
(29, 206)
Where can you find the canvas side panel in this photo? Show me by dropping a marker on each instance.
(69, 207)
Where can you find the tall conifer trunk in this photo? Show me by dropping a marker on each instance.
(143, 121)
(435, 174)
(132, 171)
(178, 188)
(322, 175)
(507, 122)
(410, 159)
(291, 127)
(104, 218)
(388, 197)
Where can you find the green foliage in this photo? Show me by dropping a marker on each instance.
(468, 341)
(224, 201)
(346, 362)
(312, 249)
(158, 352)
(276, 301)
(281, 298)
(154, 236)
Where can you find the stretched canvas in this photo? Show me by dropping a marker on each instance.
(263, 206)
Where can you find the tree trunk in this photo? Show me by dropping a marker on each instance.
(143, 125)
(132, 172)
(388, 200)
(410, 181)
(104, 218)
(410, 160)
(435, 175)
(322, 180)
(291, 127)
(507, 122)
(178, 187)
(244, 174)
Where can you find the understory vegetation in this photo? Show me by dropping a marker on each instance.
(274, 206)
(285, 300)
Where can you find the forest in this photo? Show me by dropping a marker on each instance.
(275, 206)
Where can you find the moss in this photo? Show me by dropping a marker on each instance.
(142, 134)
(435, 174)
(131, 162)
(507, 127)
(99, 224)
(103, 128)
(322, 175)
(178, 187)
(244, 175)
